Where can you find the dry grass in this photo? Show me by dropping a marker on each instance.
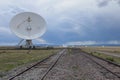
(113, 50)
(107, 57)
(10, 59)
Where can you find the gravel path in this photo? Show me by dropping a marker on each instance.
(74, 66)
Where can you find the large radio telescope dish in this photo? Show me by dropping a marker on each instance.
(28, 25)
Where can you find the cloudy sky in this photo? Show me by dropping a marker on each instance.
(68, 21)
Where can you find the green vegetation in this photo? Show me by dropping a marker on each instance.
(69, 51)
(10, 59)
(112, 50)
(108, 57)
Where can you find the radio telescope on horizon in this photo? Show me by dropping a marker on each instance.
(28, 26)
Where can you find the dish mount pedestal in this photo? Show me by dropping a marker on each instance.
(28, 44)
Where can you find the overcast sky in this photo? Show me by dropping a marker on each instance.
(68, 21)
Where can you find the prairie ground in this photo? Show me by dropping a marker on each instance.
(109, 53)
(10, 59)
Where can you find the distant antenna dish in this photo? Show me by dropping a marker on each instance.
(28, 26)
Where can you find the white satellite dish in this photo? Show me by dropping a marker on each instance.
(28, 26)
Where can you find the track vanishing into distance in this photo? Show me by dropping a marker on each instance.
(78, 65)
(42, 64)
(89, 67)
(109, 66)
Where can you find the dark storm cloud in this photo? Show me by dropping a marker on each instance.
(67, 20)
(103, 3)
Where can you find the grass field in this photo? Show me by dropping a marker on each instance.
(107, 57)
(10, 59)
(113, 50)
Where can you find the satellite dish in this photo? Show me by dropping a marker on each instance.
(28, 26)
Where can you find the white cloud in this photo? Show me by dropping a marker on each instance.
(114, 42)
(5, 30)
(82, 43)
(42, 41)
(72, 25)
(5, 2)
(7, 44)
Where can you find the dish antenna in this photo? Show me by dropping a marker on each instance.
(28, 26)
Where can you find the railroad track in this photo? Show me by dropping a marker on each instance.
(109, 66)
(43, 64)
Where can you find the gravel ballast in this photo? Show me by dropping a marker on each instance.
(75, 66)
(72, 65)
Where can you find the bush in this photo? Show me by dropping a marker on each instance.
(91, 53)
(99, 54)
(110, 58)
